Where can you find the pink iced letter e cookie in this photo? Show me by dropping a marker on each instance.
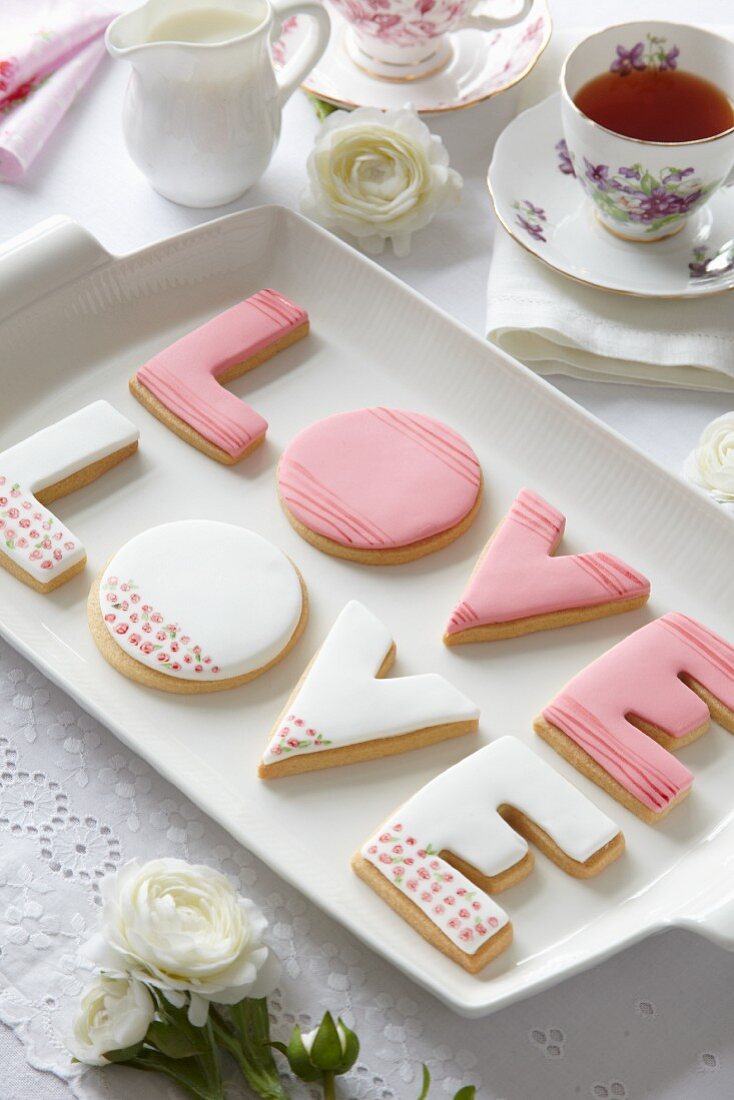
(183, 385)
(619, 719)
(464, 836)
(518, 586)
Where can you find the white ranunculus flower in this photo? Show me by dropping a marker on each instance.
(183, 928)
(711, 465)
(378, 175)
(114, 1013)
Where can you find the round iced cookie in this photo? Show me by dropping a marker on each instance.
(380, 486)
(197, 606)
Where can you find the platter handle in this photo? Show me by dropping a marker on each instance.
(43, 258)
(710, 914)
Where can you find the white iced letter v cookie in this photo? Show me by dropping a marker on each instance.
(464, 836)
(342, 711)
(34, 545)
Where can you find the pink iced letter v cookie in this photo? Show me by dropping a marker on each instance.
(518, 586)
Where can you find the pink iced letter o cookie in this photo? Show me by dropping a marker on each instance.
(380, 486)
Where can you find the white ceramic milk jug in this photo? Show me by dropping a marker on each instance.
(202, 111)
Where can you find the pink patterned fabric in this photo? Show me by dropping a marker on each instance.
(46, 58)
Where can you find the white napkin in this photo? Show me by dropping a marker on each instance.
(556, 326)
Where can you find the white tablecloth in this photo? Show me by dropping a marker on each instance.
(654, 1022)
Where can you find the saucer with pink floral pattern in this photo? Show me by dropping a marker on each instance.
(482, 64)
(538, 200)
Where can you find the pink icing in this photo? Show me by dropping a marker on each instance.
(640, 676)
(517, 577)
(379, 478)
(183, 376)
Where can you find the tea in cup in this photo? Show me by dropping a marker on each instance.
(648, 120)
(404, 40)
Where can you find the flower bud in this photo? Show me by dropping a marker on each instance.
(328, 1049)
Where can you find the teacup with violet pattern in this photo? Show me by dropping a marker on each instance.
(405, 40)
(645, 190)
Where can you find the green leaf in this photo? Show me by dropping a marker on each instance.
(177, 1042)
(351, 1048)
(326, 1052)
(648, 183)
(426, 1083)
(299, 1058)
(125, 1054)
(187, 1072)
(467, 1093)
(320, 106)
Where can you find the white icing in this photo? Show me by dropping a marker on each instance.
(340, 701)
(457, 812)
(199, 583)
(30, 534)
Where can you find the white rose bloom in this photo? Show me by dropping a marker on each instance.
(711, 465)
(378, 175)
(114, 1014)
(183, 928)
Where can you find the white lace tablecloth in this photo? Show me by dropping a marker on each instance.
(654, 1022)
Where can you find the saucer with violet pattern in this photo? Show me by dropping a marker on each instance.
(539, 202)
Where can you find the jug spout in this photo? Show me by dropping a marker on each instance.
(129, 32)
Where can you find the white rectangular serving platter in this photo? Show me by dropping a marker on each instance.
(75, 323)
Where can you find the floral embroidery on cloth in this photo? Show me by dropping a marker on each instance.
(144, 628)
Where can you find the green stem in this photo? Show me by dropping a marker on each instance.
(329, 1086)
(248, 1045)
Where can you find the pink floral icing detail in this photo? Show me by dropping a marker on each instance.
(295, 736)
(451, 901)
(517, 577)
(641, 676)
(142, 627)
(29, 532)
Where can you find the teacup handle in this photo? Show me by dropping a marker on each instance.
(477, 19)
(300, 65)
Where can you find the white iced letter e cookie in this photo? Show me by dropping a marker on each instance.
(464, 836)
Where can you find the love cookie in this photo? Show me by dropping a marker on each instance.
(34, 545)
(183, 385)
(518, 586)
(379, 486)
(620, 719)
(197, 606)
(463, 836)
(343, 711)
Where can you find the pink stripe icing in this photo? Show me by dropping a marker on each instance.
(379, 478)
(517, 577)
(183, 376)
(640, 677)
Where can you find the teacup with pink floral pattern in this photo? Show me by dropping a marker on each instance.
(408, 39)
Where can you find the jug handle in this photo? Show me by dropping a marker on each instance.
(299, 66)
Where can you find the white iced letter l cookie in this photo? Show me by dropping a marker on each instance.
(34, 545)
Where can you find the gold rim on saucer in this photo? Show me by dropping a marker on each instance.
(585, 282)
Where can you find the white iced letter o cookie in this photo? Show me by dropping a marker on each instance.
(197, 606)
